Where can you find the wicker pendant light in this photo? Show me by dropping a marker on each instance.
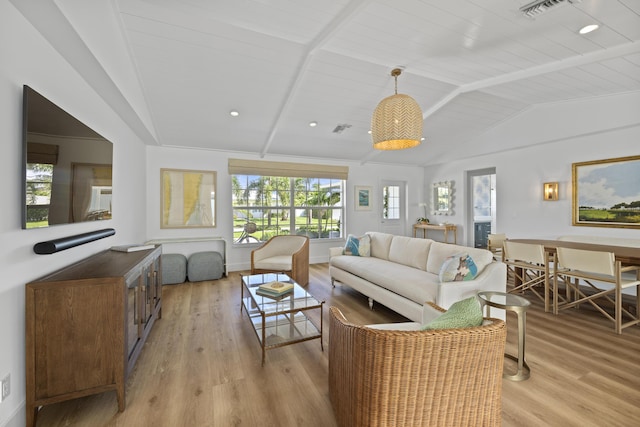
(397, 121)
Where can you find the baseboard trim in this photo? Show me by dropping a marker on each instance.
(18, 418)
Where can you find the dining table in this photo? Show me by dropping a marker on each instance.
(626, 254)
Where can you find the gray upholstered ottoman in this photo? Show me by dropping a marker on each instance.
(205, 266)
(174, 269)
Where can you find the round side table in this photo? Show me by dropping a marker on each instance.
(519, 305)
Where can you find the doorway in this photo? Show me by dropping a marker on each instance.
(393, 206)
(481, 206)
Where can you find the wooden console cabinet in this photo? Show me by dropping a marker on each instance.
(86, 325)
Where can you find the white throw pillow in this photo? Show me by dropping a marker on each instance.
(457, 268)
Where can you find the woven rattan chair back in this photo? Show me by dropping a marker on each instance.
(385, 378)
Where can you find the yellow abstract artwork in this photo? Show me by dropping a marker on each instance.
(188, 198)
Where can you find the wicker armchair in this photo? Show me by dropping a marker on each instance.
(289, 254)
(449, 377)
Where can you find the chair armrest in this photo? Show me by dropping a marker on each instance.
(342, 366)
(630, 268)
(300, 264)
(430, 311)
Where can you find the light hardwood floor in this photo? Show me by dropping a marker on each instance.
(201, 367)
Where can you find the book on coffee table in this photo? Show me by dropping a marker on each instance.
(274, 288)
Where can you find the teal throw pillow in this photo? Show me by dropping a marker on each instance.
(466, 313)
(457, 268)
(357, 246)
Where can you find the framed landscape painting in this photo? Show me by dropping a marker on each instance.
(188, 198)
(606, 193)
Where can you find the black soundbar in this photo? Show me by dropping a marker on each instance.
(57, 245)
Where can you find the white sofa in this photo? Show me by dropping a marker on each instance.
(402, 273)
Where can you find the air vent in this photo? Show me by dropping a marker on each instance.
(341, 127)
(541, 6)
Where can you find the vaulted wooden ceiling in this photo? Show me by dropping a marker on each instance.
(470, 64)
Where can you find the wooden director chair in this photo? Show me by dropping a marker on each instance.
(528, 264)
(495, 243)
(591, 268)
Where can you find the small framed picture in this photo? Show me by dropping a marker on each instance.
(363, 198)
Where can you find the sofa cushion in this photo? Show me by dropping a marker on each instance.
(357, 246)
(466, 313)
(409, 251)
(439, 252)
(380, 244)
(274, 263)
(412, 283)
(458, 268)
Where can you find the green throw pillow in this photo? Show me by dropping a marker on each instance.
(462, 314)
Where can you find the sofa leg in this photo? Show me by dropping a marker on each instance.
(370, 304)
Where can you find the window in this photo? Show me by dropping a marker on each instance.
(391, 202)
(39, 179)
(267, 206)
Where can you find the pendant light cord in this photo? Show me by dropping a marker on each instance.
(395, 73)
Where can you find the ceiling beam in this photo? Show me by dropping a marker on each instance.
(575, 61)
(343, 17)
(550, 67)
(50, 21)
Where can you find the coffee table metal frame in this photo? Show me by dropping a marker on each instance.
(282, 320)
(519, 305)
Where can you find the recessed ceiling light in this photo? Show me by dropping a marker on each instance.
(234, 113)
(313, 124)
(588, 28)
(422, 139)
(369, 132)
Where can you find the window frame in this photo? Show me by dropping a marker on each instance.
(291, 198)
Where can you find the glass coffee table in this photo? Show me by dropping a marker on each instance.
(279, 320)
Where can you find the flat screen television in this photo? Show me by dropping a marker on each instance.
(67, 167)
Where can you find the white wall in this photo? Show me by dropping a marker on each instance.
(521, 172)
(572, 132)
(28, 59)
(238, 257)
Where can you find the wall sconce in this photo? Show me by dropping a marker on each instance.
(550, 191)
